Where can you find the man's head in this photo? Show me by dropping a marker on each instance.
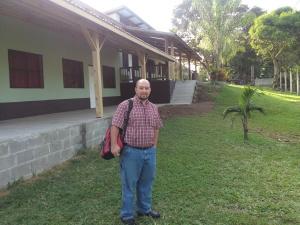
(142, 89)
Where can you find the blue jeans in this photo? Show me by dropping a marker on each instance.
(137, 169)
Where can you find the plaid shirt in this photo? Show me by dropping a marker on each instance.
(144, 120)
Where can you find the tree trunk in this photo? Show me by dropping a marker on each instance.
(297, 82)
(285, 82)
(280, 85)
(276, 72)
(217, 57)
(206, 67)
(245, 126)
(291, 81)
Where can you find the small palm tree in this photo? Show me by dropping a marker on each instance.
(245, 108)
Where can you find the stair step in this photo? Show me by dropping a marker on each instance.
(183, 92)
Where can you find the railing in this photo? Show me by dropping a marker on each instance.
(132, 74)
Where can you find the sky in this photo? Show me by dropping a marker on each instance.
(158, 13)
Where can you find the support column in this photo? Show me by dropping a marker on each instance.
(196, 75)
(172, 64)
(96, 42)
(142, 59)
(180, 67)
(98, 74)
(189, 62)
(157, 74)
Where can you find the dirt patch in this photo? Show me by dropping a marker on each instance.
(172, 111)
(202, 103)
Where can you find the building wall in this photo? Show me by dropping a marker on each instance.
(264, 82)
(53, 46)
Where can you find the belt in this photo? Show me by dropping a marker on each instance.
(141, 148)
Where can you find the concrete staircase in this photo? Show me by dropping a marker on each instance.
(183, 92)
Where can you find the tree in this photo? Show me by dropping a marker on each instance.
(276, 34)
(218, 27)
(211, 27)
(244, 59)
(244, 109)
(184, 21)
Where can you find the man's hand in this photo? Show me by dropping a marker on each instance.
(115, 150)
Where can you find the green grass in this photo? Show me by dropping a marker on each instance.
(206, 174)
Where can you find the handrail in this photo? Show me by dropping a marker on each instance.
(132, 74)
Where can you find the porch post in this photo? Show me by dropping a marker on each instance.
(96, 43)
(142, 59)
(189, 62)
(180, 66)
(97, 68)
(172, 64)
(157, 74)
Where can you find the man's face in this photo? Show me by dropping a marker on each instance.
(143, 90)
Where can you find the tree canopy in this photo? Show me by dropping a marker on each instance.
(276, 36)
(211, 27)
(228, 33)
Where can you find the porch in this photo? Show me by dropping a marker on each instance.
(31, 145)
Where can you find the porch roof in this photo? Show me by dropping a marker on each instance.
(73, 18)
(158, 39)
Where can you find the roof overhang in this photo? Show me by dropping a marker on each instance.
(158, 39)
(69, 17)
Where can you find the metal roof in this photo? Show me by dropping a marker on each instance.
(128, 18)
(139, 28)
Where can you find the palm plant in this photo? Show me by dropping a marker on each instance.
(244, 108)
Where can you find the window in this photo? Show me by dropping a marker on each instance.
(25, 69)
(73, 73)
(109, 78)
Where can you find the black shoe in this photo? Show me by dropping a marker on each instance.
(129, 221)
(152, 214)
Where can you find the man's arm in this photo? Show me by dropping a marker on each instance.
(115, 148)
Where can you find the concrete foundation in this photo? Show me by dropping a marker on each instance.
(27, 155)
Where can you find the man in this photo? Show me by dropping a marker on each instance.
(138, 157)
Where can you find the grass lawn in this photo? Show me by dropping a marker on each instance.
(206, 174)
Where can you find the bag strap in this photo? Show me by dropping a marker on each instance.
(130, 106)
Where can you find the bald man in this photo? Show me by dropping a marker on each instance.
(138, 157)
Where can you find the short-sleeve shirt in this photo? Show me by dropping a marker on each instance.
(144, 120)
